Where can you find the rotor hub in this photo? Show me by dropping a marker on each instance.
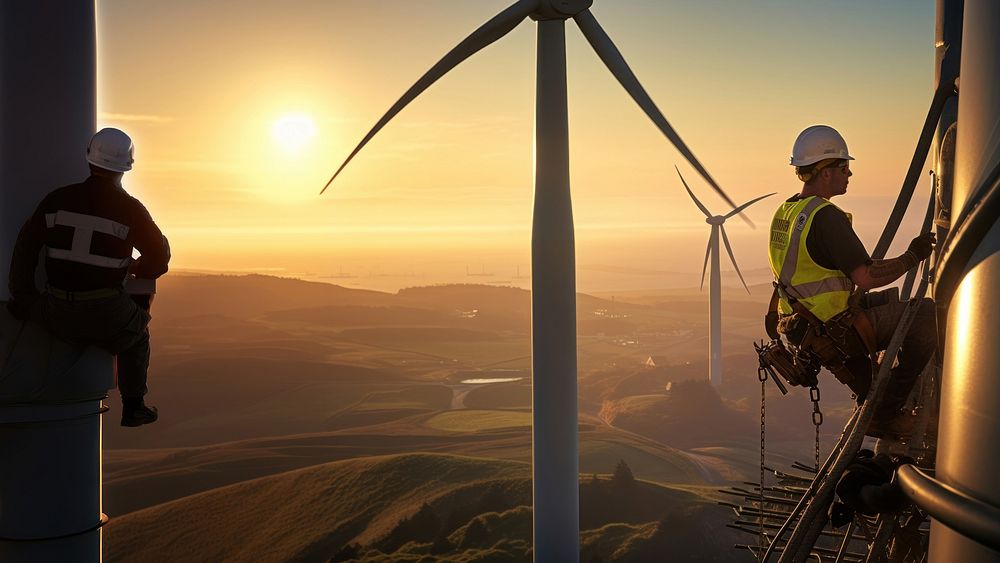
(559, 9)
(717, 220)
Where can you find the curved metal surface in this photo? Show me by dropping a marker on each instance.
(50, 470)
(963, 513)
(967, 232)
(555, 451)
(969, 428)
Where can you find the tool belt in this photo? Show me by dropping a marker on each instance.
(813, 344)
(797, 366)
(102, 293)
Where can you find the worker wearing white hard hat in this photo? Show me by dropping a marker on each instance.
(88, 231)
(111, 149)
(822, 273)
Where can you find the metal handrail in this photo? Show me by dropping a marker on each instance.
(967, 515)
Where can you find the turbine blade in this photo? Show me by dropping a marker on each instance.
(615, 62)
(747, 204)
(729, 249)
(704, 268)
(492, 30)
(690, 193)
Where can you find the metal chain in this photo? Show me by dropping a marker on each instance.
(817, 418)
(762, 376)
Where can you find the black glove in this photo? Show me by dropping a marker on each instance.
(922, 246)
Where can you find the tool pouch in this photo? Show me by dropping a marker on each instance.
(841, 350)
(793, 327)
(798, 368)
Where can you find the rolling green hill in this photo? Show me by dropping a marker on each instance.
(404, 507)
(691, 414)
(136, 479)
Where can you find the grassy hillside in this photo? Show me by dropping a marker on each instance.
(690, 414)
(399, 508)
(229, 395)
(136, 479)
(306, 514)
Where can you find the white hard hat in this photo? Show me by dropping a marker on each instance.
(817, 143)
(111, 149)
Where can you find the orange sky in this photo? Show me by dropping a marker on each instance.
(448, 183)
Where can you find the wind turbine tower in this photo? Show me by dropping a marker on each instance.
(555, 462)
(715, 281)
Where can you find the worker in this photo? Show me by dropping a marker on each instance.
(88, 231)
(822, 272)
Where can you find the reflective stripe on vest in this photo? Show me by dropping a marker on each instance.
(823, 291)
(84, 227)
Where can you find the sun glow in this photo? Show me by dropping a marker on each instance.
(293, 132)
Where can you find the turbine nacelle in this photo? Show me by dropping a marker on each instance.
(716, 220)
(559, 9)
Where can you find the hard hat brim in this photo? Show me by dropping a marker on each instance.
(814, 160)
(108, 166)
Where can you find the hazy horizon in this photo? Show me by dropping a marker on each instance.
(239, 118)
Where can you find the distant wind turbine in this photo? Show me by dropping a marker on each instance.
(553, 280)
(715, 283)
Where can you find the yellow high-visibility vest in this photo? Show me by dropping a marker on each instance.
(824, 292)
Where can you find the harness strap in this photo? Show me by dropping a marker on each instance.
(806, 314)
(101, 293)
(866, 331)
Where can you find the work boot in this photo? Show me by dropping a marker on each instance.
(892, 427)
(137, 414)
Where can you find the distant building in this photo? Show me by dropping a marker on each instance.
(654, 361)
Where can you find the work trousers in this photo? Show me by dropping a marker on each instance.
(917, 348)
(115, 324)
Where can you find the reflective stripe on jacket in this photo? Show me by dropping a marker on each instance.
(822, 291)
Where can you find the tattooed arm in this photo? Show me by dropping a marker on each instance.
(878, 273)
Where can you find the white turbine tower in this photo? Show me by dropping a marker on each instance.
(553, 281)
(715, 282)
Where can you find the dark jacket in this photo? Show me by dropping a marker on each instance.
(88, 231)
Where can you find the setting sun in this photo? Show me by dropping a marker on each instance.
(293, 131)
